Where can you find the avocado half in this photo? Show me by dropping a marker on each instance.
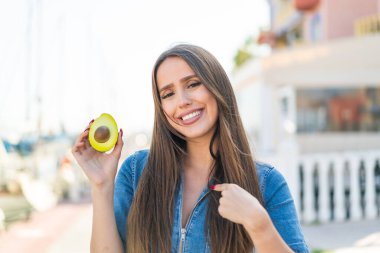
(103, 133)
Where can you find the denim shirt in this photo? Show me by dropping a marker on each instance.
(277, 201)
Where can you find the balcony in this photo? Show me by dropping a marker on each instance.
(367, 25)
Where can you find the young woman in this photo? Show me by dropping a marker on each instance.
(198, 188)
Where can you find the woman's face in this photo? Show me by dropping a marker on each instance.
(189, 106)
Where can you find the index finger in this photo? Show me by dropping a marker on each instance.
(219, 187)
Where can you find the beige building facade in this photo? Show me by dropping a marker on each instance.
(312, 108)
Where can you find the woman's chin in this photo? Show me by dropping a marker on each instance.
(198, 134)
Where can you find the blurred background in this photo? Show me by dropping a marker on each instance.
(305, 73)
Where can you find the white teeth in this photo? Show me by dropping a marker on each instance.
(191, 115)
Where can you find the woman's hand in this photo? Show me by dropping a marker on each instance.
(239, 206)
(100, 168)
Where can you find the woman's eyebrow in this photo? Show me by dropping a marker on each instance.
(183, 79)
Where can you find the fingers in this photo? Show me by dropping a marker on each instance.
(219, 187)
(81, 142)
(119, 144)
(222, 201)
(89, 124)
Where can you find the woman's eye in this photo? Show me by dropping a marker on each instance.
(167, 95)
(194, 84)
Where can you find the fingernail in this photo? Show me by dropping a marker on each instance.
(212, 187)
(91, 121)
(121, 130)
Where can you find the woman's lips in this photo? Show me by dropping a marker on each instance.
(193, 119)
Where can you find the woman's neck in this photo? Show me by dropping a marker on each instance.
(198, 157)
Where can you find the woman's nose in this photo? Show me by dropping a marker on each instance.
(183, 99)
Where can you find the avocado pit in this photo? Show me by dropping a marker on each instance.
(102, 134)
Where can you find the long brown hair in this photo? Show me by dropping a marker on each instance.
(233, 163)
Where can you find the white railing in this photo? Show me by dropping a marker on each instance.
(339, 186)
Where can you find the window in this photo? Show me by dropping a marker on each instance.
(338, 110)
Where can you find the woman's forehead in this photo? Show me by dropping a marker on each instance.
(173, 70)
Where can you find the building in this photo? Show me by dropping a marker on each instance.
(313, 106)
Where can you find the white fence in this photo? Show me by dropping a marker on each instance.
(339, 186)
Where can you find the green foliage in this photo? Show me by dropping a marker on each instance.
(250, 49)
(245, 52)
(242, 56)
(321, 251)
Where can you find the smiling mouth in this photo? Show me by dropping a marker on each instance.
(191, 117)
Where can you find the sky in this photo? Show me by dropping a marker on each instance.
(66, 62)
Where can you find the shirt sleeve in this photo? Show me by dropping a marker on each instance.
(123, 195)
(281, 209)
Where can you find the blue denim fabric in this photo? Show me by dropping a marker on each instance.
(278, 203)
